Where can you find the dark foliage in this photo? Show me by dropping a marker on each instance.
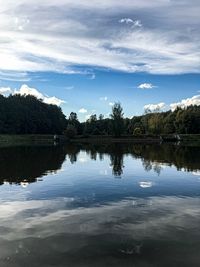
(70, 132)
(28, 163)
(28, 115)
(25, 164)
(180, 121)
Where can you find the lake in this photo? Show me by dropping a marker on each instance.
(116, 205)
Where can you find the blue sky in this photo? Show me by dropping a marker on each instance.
(85, 55)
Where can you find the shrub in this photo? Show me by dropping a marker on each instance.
(137, 131)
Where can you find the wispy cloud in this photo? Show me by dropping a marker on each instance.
(166, 45)
(14, 76)
(137, 23)
(21, 23)
(146, 86)
(92, 76)
(134, 23)
(103, 98)
(69, 88)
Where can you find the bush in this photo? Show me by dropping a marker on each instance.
(137, 131)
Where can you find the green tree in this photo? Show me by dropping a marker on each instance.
(73, 120)
(137, 131)
(73, 117)
(117, 120)
(28, 115)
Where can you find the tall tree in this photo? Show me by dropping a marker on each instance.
(73, 117)
(73, 121)
(117, 120)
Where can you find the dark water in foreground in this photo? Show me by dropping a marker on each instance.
(120, 205)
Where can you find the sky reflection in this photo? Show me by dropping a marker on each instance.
(100, 207)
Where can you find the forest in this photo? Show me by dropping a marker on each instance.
(28, 115)
(180, 121)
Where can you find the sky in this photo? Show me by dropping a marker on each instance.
(86, 55)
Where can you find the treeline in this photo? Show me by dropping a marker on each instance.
(180, 121)
(28, 115)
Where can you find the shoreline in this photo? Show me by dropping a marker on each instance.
(38, 139)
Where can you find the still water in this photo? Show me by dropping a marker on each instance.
(104, 205)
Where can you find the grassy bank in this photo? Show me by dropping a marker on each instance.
(26, 139)
(140, 138)
(50, 139)
(111, 139)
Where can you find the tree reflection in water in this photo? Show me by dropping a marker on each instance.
(26, 164)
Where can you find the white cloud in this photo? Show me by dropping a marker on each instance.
(83, 110)
(154, 107)
(53, 100)
(126, 20)
(26, 90)
(67, 42)
(87, 117)
(5, 90)
(137, 23)
(14, 76)
(195, 100)
(111, 104)
(134, 23)
(104, 98)
(146, 86)
(21, 23)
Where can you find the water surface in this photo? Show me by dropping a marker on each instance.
(100, 205)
